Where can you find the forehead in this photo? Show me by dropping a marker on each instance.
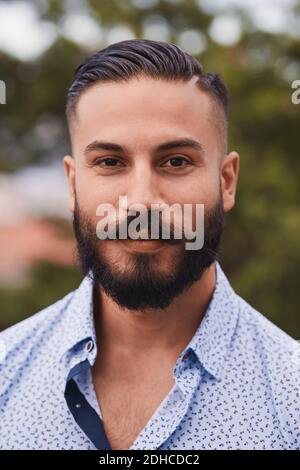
(144, 110)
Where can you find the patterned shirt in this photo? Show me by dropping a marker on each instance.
(236, 384)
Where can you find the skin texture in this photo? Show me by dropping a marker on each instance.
(140, 115)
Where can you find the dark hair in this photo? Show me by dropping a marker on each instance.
(135, 57)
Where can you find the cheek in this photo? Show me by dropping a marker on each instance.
(91, 191)
(201, 189)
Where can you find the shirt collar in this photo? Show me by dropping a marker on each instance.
(215, 332)
(79, 320)
(210, 343)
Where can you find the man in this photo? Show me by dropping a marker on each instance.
(154, 350)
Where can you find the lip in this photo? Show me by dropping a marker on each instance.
(142, 245)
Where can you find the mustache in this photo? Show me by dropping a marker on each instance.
(164, 230)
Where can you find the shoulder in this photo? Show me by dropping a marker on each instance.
(276, 356)
(273, 344)
(18, 339)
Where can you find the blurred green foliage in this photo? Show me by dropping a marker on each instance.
(48, 283)
(260, 250)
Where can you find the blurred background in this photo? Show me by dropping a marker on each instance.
(253, 45)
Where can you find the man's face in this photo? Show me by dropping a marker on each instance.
(140, 116)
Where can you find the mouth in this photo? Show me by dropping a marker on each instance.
(142, 245)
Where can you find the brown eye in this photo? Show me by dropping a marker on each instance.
(107, 162)
(177, 162)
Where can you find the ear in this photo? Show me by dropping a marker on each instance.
(229, 178)
(70, 170)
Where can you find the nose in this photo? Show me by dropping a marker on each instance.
(144, 187)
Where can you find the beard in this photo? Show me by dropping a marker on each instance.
(141, 286)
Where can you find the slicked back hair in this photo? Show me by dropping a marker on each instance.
(125, 60)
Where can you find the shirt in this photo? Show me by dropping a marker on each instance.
(236, 384)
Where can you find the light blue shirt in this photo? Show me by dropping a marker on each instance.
(236, 382)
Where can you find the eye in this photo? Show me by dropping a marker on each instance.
(107, 162)
(177, 161)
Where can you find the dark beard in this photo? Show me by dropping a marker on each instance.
(142, 287)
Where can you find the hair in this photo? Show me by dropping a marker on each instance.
(124, 60)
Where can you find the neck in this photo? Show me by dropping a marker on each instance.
(169, 330)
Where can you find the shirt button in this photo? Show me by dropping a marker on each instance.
(89, 346)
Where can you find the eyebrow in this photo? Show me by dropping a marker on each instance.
(179, 143)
